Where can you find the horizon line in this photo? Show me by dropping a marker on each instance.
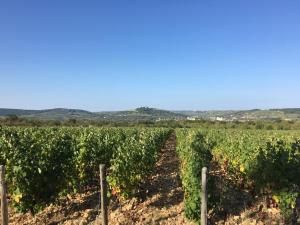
(194, 110)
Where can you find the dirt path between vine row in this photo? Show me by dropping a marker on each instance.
(159, 202)
(163, 195)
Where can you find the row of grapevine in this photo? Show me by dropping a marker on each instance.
(43, 163)
(267, 162)
(194, 153)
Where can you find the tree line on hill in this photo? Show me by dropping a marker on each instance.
(14, 120)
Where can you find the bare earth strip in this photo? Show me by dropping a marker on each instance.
(164, 199)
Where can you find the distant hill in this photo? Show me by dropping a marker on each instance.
(61, 114)
(288, 110)
(17, 112)
(158, 112)
(49, 114)
(152, 114)
(139, 114)
(242, 115)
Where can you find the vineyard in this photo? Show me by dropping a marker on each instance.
(264, 163)
(43, 164)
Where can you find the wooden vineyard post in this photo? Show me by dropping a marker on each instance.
(103, 194)
(3, 200)
(204, 197)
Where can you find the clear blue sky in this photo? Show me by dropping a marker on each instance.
(171, 54)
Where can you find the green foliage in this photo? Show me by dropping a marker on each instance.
(286, 199)
(194, 153)
(135, 159)
(42, 163)
(266, 161)
(277, 165)
(95, 147)
(37, 163)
